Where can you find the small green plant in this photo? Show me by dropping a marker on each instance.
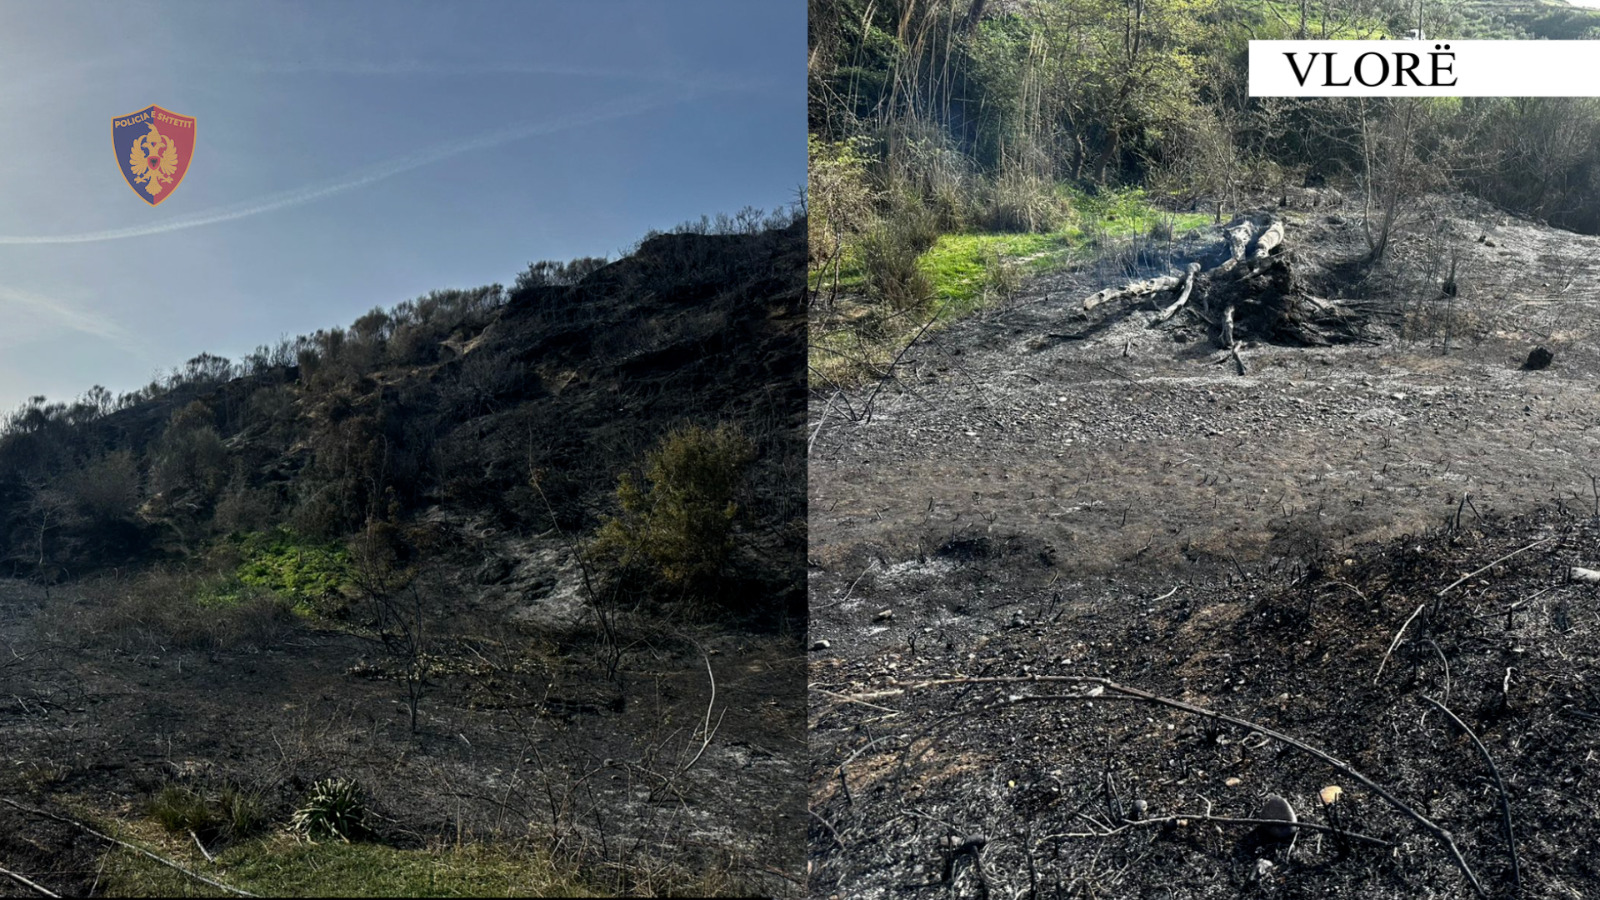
(229, 814)
(181, 810)
(242, 813)
(335, 808)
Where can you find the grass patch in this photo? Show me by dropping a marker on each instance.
(958, 264)
(971, 269)
(228, 814)
(280, 866)
(852, 275)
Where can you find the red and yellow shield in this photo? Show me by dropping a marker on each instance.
(153, 149)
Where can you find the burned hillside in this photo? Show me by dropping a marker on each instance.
(504, 586)
(452, 402)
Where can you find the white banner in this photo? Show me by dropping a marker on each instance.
(1425, 68)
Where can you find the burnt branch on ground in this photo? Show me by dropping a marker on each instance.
(1078, 795)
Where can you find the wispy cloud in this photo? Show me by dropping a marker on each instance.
(60, 314)
(310, 193)
(677, 77)
(428, 67)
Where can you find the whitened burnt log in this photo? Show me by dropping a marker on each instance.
(1238, 234)
(1269, 239)
(1183, 296)
(1133, 289)
(1587, 576)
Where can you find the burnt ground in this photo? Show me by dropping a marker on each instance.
(520, 739)
(1120, 503)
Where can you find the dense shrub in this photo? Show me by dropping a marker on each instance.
(1020, 201)
(678, 522)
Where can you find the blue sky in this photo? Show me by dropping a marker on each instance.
(352, 155)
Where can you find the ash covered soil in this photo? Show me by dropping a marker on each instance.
(1040, 492)
(519, 738)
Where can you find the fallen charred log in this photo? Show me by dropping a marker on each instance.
(1254, 294)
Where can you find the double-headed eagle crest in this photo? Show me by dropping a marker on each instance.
(153, 159)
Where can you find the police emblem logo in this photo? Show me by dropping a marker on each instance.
(153, 147)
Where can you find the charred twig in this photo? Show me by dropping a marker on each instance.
(705, 733)
(1497, 562)
(1353, 588)
(1186, 818)
(849, 590)
(1440, 834)
(1444, 662)
(849, 699)
(834, 832)
(821, 421)
(1164, 596)
(971, 847)
(203, 851)
(1396, 642)
(1505, 801)
(844, 782)
(866, 408)
(137, 849)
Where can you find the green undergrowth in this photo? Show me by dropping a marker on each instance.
(1279, 20)
(312, 575)
(971, 269)
(278, 865)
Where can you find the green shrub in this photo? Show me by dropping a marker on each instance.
(242, 813)
(335, 808)
(678, 523)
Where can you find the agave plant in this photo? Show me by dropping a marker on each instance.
(336, 807)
